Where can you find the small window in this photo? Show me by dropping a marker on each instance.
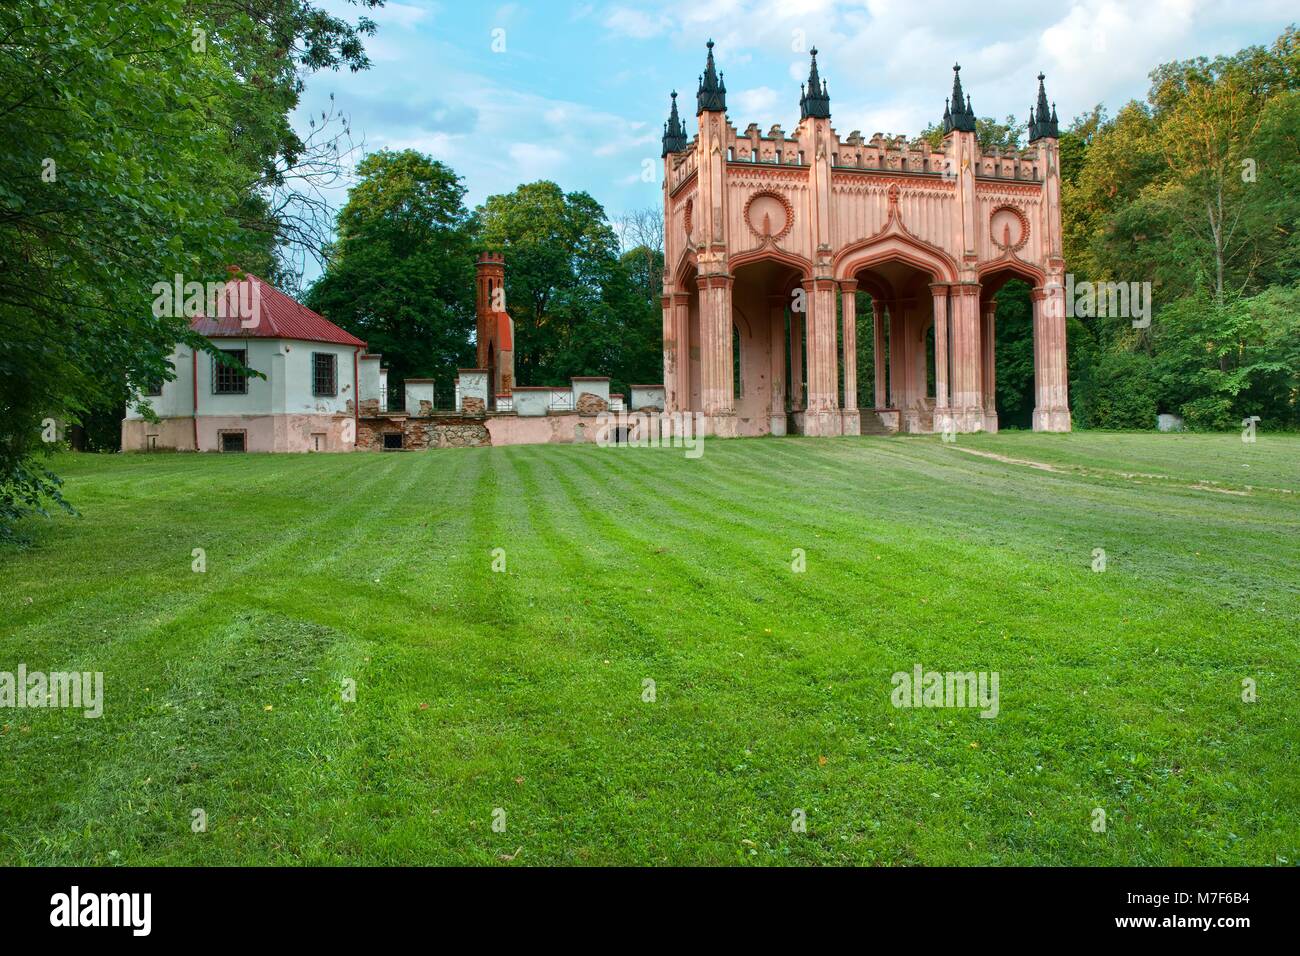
(153, 389)
(324, 377)
(232, 441)
(392, 441)
(227, 380)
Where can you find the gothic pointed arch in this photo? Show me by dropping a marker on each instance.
(771, 253)
(686, 268)
(895, 244)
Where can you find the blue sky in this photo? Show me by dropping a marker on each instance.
(580, 91)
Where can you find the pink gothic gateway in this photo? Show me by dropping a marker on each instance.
(765, 232)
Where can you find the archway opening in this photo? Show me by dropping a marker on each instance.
(768, 346)
(895, 342)
(1007, 303)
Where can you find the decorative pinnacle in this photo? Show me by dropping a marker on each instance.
(815, 99)
(712, 94)
(962, 117)
(674, 131)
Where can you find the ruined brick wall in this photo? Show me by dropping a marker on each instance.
(472, 406)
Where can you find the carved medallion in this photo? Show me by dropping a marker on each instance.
(1009, 228)
(769, 216)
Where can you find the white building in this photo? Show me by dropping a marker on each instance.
(305, 399)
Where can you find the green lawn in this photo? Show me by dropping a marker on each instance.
(523, 690)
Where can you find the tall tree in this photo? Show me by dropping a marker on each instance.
(566, 288)
(143, 139)
(401, 275)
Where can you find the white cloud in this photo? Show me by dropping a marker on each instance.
(638, 24)
(750, 105)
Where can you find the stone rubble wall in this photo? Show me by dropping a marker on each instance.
(419, 434)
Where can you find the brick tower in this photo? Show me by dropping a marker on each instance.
(496, 330)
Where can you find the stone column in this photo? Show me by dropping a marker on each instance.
(940, 292)
(716, 387)
(796, 359)
(849, 340)
(897, 355)
(776, 312)
(822, 414)
(967, 401)
(850, 418)
(682, 324)
(1051, 389)
(988, 332)
(878, 319)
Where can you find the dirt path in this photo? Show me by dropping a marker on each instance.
(1134, 476)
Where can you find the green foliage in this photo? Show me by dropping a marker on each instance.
(578, 308)
(1196, 191)
(401, 275)
(1118, 392)
(989, 133)
(1014, 352)
(142, 139)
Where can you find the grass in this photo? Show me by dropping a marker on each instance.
(523, 690)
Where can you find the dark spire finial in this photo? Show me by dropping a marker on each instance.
(1043, 120)
(674, 131)
(815, 100)
(712, 94)
(959, 116)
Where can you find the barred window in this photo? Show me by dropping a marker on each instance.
(324, 377)
(227, 380)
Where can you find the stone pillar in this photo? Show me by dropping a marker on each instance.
(878, 318)
(670, 353)
(988, 332)
(682, 325)
(776, 312)
(1051, 389)
(796, 359)
(850, 420)
(897, 355)
(940, 292)
(849, 340)
(716, 387)
(967, 402)
(821, 417)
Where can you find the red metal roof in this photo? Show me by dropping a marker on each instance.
(275, 316)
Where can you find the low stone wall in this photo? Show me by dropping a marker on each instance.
(418, 434)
